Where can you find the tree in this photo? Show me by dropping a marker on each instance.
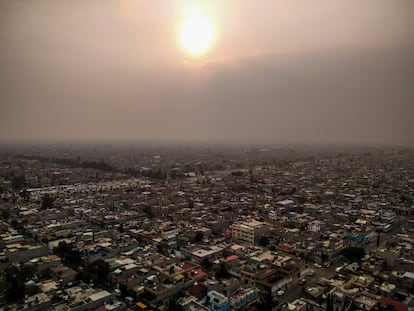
(222, 272)
(173, 304)
(148, 210)
(18, 225)
(353, 253)
(206, 264)
(68, 254)
(25, 195)
(329, 303)
(5, 213)
(18, 182)
(14, 223)
(84, 276)
(198, 237)
(16, 276)
(47, 202)
(404, 198)
(100, 269)
(62, 249)
(74, 258)
(265, 302)
(263, 241)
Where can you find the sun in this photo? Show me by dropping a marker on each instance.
(196, 35)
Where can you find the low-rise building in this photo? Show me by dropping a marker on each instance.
(217, 301)
(249, 231)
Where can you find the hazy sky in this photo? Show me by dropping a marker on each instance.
(325, 71)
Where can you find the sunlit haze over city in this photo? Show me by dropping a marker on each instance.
(207, 155)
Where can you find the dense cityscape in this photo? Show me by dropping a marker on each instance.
(214, 228)
(206, 155)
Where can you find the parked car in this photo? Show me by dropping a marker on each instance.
(129, 300)
(117, 292)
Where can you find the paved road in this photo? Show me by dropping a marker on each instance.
(397, 227)
(295, 290)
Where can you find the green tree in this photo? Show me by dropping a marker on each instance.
(69, 255)
(5, 213)
(353, 253)
(174, 305)
(14, 223)
(265, 302)
(263, 241)
(404, 198)
(84, 276)
(222, 272)
(324, 257)
(206, 264)
(62, 249)
(329, 303)
(149, 211)
(198, 237)
(19, 226)
(100, 269)
(16, 277)
(18, 182)
(25, 195)
(47, 201)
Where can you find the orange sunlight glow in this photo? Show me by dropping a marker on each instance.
(196, 35)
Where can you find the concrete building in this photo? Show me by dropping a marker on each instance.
(18, 253)
(217, 301)
(243, 297)
(248, 232)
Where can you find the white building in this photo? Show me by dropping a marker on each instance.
(315, 226)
